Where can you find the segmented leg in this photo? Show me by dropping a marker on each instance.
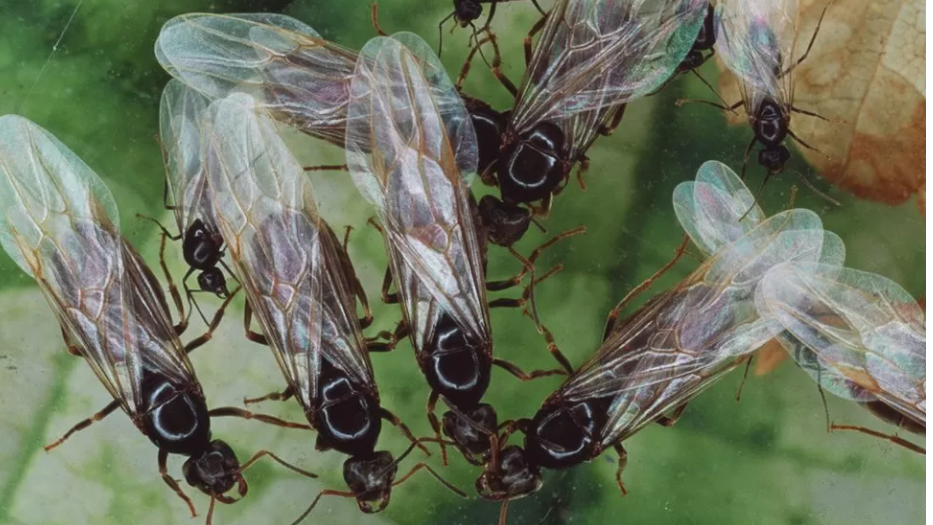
(70, 346)
(375, 19)
(212, 326)
(284, 395)
(526, 44)
(809, 45)
(104, 412)
(245, 414)
(391, 339)
(892, 438)
(403, 428)
(731, 109)
(798, 140)
(526, 376)
(170, 481)
(435, 424)
(255, 337)
(614, 313)
(623, 461)
(528, 263)
(265, 453)
(671, 420)
(328, 167)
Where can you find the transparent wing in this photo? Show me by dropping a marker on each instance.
(284, 254)
(300, 78)
(757, 40)
(717, 209)
(59, 223)
(594, 55)
(415, 176)
(687, 338)
(180, 115)
(863, 327)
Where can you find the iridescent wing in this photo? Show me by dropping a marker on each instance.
(595, 55)
(717, 209)
(300, 78)
(180, 115)
(284, 254)
(684, 340)
(417, 181)
(861, 325)
(60, 224)
(757, 41)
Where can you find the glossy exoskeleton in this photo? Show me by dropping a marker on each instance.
(60, 225)
(301, 288)
(418, 185)
(592, 58)
(653, 363)
(758, 44)
(202, 246)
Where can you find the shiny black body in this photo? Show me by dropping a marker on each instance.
(348, 419)
(703, 46)
(202, 248)
(175, 418)
(456, 367)
(771, 125)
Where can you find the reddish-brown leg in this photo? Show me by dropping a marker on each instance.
(255, 337)
(215, 322)
(104, 412)
(284, 395)
(403, 428)
(265, 453)
(375, 20)
(436, 425)
(526, 376)
(623, 461)
(892, 438)
(239, 412)
(671, 420)
(170, 481)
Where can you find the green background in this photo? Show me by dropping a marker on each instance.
(765, 460)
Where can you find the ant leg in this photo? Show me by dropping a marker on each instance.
(170, 481)
(521, 375)
(671, 420)
(731, 109)
(609, 129)
(391, 339)
(528, 264)
(465, 68)
(106, 411)
(892, 438)
(804, 144)
(70, 346)
(284, 395)
(329, 167)
(435, 424)
(711, 88)
(271, 420)
(748, 152)
(810, 45)
(375, 20)
(263, 453)
(497, 63)
(508, 302)
(433, 473)
(350, 272)
(388, 298)
(623, 461)
(403, 428)
(810, 114)
(159, 224)
(255, 337)
(555, 351)
(748, 365)
(440, 33)
(526, 44)
(614, 313)
(215, 322)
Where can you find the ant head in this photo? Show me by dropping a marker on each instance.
(370, 479)
(514, 477)
(216, 471)
(469, 436)
(505, 223)
(466, 11)
(774, 158)
(213, 281)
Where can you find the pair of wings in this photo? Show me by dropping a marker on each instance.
(424, 154)
(180, 112)
(60, 224)
(685, 339)
(760, 43)
(859, 335)
(294, 74)
(287, 258)
(595, 55)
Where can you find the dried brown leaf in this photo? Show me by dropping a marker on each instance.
(866, 72)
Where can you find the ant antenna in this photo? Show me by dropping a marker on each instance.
(819, 193)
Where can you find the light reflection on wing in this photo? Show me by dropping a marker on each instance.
(424, 148)
(863, 326)
(180, 115)
(757, 41)
(684, 340)
(60, 224)
(300, 78)
(284, 254)
(595, 55)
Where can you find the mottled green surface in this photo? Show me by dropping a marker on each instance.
(767, 460)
